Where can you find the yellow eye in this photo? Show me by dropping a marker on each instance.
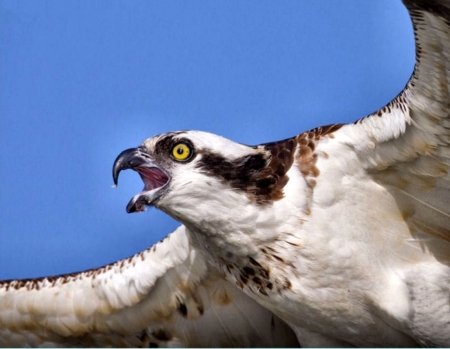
(181, 151)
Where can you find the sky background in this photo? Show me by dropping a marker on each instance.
(80, 81)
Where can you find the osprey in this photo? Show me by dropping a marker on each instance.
(339, 236)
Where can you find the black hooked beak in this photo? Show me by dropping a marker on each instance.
(153, 176)
(128, 159)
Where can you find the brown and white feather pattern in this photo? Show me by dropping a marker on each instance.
(163, 296)
(390, 172)
(405, 145)
(340, 235)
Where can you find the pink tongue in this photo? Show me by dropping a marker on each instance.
(152, 177)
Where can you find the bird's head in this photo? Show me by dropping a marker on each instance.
(191, 171)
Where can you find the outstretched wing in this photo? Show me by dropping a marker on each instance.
(166, 295)
(405, 145)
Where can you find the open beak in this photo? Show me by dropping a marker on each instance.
(154, 177)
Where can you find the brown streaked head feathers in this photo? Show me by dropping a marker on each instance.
(262, 176)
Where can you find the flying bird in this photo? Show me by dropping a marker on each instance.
(339, 236)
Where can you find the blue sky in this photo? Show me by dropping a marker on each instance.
(80, 81)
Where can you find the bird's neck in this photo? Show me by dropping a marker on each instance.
(236, 233)
(250, 248)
